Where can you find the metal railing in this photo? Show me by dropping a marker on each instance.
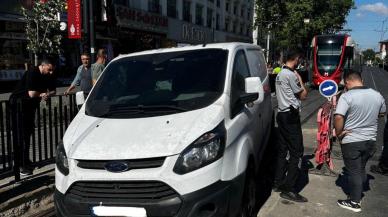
(51, 120)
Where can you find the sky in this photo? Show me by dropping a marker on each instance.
(366, 23)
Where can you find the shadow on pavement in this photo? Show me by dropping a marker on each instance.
(343, 182)
(267, 171)
(303, 179)
(25, 187)
(268, 168)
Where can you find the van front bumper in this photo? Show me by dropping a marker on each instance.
(216, 200)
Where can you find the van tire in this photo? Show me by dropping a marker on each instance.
(249, 198)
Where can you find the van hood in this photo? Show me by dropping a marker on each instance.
(91, 138)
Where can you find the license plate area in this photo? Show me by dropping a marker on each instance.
(118, 211)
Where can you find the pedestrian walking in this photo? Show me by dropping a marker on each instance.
(290, 90)
(99, 65)
(382, 167)
(83, 77)
(355, 122)
(36, 84)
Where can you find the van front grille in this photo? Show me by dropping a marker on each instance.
(128, 191)
(133, 164)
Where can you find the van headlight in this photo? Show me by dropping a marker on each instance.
(61, 160)
(205, 150)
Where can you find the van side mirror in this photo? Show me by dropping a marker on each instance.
(253, 85)
(79, 98)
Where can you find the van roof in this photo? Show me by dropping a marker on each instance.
(225, 46)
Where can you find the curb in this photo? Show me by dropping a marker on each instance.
(24, 203)
(31, 195)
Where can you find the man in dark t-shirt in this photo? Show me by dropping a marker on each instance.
(35, 85)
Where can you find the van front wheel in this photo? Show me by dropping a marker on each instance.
(248, 206)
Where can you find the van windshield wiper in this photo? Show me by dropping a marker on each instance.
(121, 109)
(161, 108)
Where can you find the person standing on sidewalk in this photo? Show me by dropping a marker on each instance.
(83, 77)
(382, 167)
(355, 122)
(99, 65)
(35, 85)
(290, 90)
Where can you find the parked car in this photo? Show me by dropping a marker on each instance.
(169, 132)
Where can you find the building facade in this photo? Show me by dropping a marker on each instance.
(13, 41)
(175, 22)
(126, 26)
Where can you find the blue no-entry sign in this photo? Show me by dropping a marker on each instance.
(328, 88)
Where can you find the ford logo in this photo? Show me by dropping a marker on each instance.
(116, 166)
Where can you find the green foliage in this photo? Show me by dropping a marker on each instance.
(378, 60)
(369, 54)
(287, 19)
(42, 26)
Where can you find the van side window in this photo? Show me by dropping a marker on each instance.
(240, 72)
(257, 63)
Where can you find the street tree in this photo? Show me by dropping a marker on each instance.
(287, 17)
(42, 27)
(369, 54)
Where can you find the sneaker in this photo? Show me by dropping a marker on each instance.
(350, 205)
(293, 197)
(276, 189)
(377, 169)
(25, 171)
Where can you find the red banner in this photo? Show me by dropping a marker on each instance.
(74, 18)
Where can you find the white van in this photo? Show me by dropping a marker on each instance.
(169, 132)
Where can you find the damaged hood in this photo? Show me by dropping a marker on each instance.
(92, 138)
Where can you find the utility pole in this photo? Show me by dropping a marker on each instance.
(85, 20)
(92, 33)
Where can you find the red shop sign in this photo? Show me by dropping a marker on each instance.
(74, 18)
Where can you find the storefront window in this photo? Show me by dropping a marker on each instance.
(209, 17)
(186, 11)
(13, 57)
(154, 6)
(198, 14)
(218, 22)
(171, 8)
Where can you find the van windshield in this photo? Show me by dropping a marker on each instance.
(159, 84)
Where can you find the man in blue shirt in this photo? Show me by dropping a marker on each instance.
(83, 77)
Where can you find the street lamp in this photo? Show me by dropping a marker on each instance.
(276, 16)
(268, 38)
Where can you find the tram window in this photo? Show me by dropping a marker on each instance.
(328, 56)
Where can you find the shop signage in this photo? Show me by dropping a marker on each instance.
(184, 32)
(11, 74)
(193, 33)
(142, 20)
(14, 26)
(13, 35)
(74, 19)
